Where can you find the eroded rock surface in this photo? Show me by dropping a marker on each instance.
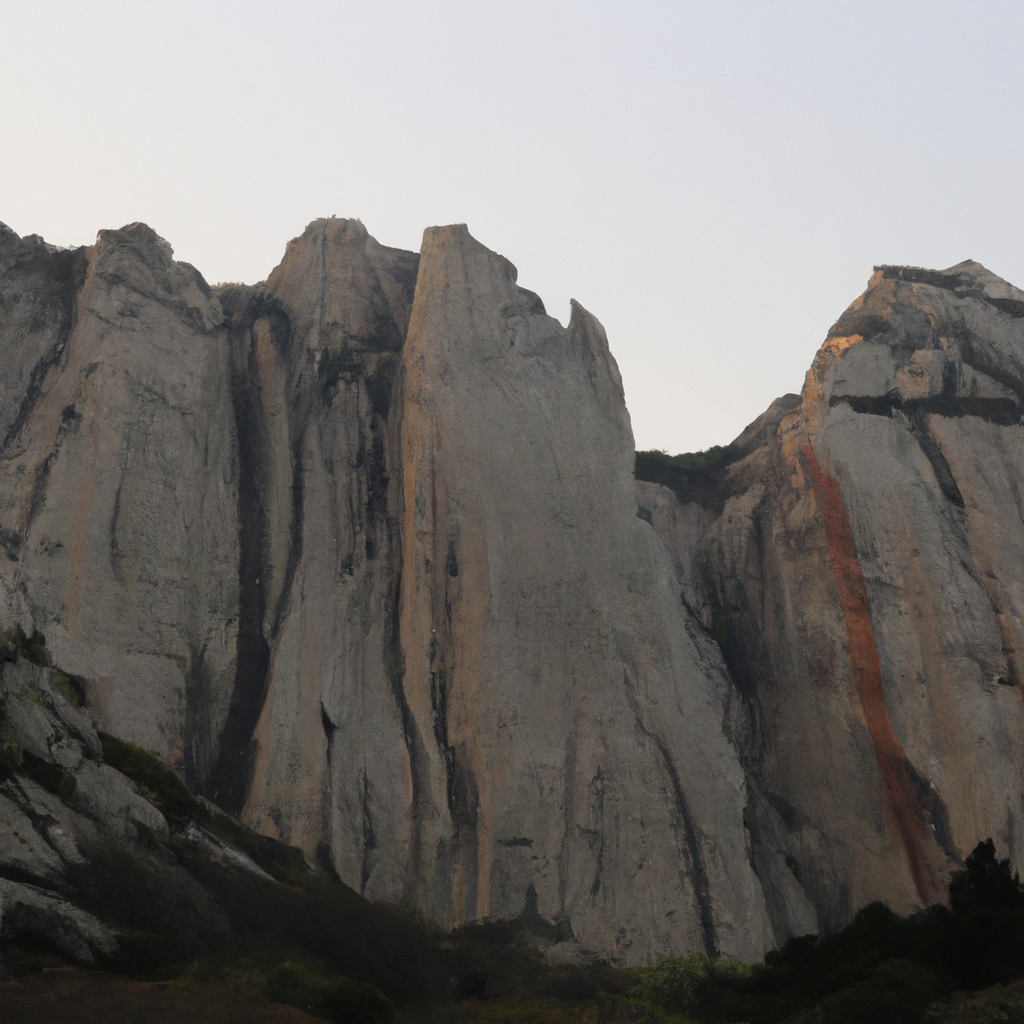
(861, 565)
(356, 549)
(359, 551)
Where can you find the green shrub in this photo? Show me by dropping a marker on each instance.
(71, 688)
(673, 983)
(31, 648)
(158, 783)
(896, 992)
(163, 787)
(301, 984)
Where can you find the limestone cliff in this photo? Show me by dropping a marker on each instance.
(861, 562)
(357, 550)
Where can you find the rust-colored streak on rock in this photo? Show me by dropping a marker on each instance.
(909, 816)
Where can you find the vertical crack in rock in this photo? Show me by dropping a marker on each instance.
(1003, 615)
(439, 711)
(231, 774)
(699, 873)
(701, 885)
(294, 532)
(899, 776)
(940, 467)
(200, 745)
(116, 553)
(369, 836)
(597, 785)
(419, 768)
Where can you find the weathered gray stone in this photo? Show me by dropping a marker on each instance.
(359, 551)
(116, 480)
(568, 749)
(105, 794)
(863, 573)
(415, 628)
(28, 911)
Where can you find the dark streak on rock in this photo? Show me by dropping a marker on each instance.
(369, 835)
(933, 809)
(1003, 411)
(64, 275)
(530, 921)
(419, 765)
(231, 774)
(940, 467)
(199, 743)
(328, 726)
(961, 285)
(452, 561)
(701, 884)
(12, 874)
(68, 424)
(376, 476)
(295, 533)
(598, 785)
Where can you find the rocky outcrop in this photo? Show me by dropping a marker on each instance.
(118, 481)
(564, 724)
(74, 831)
(412, 622)
(860, 562)
(107, 859)
(359, 551)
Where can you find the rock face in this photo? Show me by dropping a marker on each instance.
(358, 551)
(118, 479)
(412, 622)
(861, 562)
(69, 825)
(564, 725)
(107, 859)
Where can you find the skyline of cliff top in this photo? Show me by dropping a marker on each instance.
(713, 181)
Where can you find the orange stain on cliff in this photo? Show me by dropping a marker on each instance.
(866, 670)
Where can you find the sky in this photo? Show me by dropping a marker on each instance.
(713, 180)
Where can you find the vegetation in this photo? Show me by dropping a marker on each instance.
(159, 784)
(693, 475)
(71, 688)
(31, 648)
(315, 945)
(881, 967)
(302, 985)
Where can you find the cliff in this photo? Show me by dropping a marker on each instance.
(859, 558)
(359, 551)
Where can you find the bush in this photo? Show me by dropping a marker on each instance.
(158, 783)
(880, 967)
(163, 787)
(71, 688)
(302, 985)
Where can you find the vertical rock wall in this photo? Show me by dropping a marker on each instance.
(566, 728)
(862, 570)
(118, 479)
(367, 568)
(358, 550)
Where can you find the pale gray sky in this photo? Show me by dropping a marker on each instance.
(713, 180)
